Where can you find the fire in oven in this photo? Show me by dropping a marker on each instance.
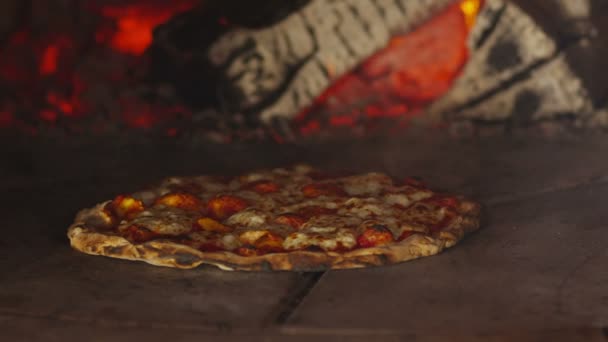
(277, 170)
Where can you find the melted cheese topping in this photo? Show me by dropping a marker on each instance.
(331, 221)
(230, 242)
(420, 195)
(247, 218)
(251, 236)
(163, 220)
(343, 238)
(368, 184)
(423, 213)
(400, 199)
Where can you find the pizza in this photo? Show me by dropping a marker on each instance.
(295, 218)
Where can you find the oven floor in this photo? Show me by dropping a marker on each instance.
(537, 270)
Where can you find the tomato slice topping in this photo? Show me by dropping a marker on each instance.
(269, 243)
(295, 221)
(376, 235)
(224, 206)
(126, 206)
(210, 225)
(180, 200)
(139, 234)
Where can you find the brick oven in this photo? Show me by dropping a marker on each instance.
(502, 100)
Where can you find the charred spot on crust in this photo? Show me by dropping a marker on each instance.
(309, 262)
(370, 260)
(185, 259)
(266, 266)
(313, 248)
(114, 250)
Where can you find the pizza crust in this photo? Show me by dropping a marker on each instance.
(96, 241)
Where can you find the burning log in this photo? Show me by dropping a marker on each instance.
(306, 68)
(381, 59)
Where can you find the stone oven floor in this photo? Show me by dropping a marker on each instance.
(536, 271)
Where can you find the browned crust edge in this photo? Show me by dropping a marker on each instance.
(170, 254)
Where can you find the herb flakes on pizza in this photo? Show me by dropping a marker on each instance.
(281, 219)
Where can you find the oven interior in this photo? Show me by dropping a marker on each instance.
(502, 101)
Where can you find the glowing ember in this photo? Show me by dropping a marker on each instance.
(45, 74)
(58, 47)
(412, 71)
(310, 128)
(136, 22)
(48, 64)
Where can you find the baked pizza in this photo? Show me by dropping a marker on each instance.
(293, 218)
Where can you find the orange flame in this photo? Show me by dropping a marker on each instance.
(470, 9)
